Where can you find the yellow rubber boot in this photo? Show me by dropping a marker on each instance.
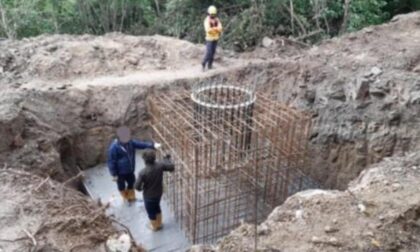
(124, 195)
(159, 220)
(154, 225)
(131, 195)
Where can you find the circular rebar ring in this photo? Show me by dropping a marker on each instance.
(223, 97)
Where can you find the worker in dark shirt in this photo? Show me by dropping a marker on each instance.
(122, 161)
(150, 181)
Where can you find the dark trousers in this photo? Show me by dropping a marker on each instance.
(152, 206)
(211, 47)
(126, 181)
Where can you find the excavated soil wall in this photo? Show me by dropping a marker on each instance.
(57, 131)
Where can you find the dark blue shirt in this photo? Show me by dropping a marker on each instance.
(122, 157)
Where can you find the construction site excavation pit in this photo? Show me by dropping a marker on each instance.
(238, 154)
(240, 149)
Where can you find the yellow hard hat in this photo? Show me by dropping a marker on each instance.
(212, 10)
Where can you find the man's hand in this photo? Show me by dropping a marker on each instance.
(157, 145)
(115, 178)
(214, 31)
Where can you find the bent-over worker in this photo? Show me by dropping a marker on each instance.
(150, 181)
(122, 161)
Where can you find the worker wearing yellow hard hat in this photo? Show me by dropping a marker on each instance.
(213, 28)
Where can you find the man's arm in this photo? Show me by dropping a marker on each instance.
(167, 164)
(212, 30)
(219, 26)
(112, 161)
(139, 182)
(143, 145)
(207, 25)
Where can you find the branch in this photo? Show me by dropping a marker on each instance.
(326, 24)
(41, 184)
(297, 42)
(14, 240)
(292, 16)
(34, 242)
(298, 21)
(78, 246)
(9, 33)
(310, 34)
(125, 227)
(124, 12)
(79, 175)
(157, 8)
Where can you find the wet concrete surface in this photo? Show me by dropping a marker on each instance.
(99, 185)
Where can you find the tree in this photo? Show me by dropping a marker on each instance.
(6, 26)
(367, 12)
(245, 21)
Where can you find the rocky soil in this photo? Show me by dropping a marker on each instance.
(379, 211)
(61, 57)
(61, 97)
(363, 90)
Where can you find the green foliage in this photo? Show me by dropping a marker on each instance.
(245, 21)
(102, 16)
(367, 12)
(25, 18)
(248, 29)
(184, 18)
(414, 4)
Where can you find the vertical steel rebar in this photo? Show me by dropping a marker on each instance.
(236, 153)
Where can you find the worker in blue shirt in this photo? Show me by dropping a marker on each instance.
(121, 161)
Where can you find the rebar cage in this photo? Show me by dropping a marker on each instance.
(238, 154)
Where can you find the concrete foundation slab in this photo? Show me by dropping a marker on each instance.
(99, 185)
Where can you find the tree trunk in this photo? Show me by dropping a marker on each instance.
(295, 19)
(89, 16)
(346, 16)
(327, 25)
(4, 22)
(317, 13)
(157, 8)
(124, 8)
(292, 23)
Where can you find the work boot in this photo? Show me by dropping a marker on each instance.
(159, 220)
(154, 225)
(124, 194)
(131, 195)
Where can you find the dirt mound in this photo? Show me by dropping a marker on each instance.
(64, 56)
(380, 211)
(278, 47)
(41, 214)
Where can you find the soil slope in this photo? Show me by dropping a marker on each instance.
(363, 90)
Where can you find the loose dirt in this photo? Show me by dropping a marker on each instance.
(379, 211)
(39, 214)
(63, 57)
